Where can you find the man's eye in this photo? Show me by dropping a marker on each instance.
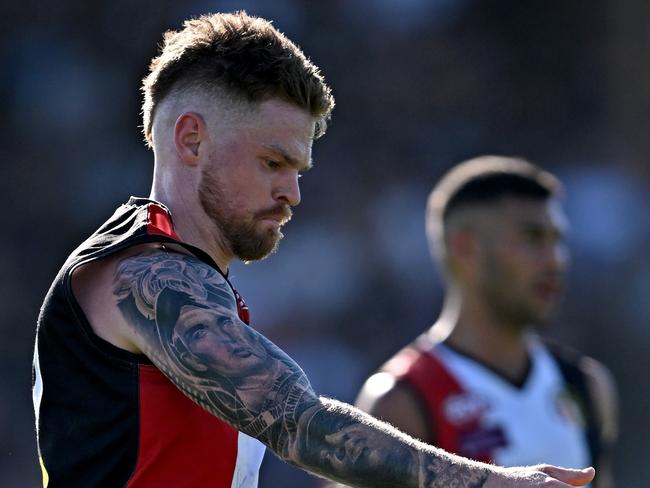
(272, 164)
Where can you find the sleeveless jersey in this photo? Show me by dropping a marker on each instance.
(108, 418)
(476, 413)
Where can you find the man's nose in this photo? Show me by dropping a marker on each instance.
(288, 189)
(558, 257)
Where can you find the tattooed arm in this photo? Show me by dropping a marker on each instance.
(182, 314)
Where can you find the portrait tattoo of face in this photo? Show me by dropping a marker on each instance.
(187, 314)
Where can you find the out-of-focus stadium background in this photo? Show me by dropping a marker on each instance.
(420, 84)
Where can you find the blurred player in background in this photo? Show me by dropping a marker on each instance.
(147, 373)
(480, 382)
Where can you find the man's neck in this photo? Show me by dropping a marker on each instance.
(194, 227)
(478, 333)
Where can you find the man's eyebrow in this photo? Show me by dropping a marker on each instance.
(534, 226)
(293, 162)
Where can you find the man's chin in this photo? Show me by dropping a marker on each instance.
(542, 320)
(262, 249)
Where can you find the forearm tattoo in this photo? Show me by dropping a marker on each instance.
(186, 315)
(342, 443)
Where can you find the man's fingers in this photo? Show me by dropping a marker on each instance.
(573, 477)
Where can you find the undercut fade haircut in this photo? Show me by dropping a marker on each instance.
(241, 55)
(483, 181)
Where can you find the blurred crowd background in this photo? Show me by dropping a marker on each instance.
(420, 85)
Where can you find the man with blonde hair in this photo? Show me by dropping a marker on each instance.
(147, 373)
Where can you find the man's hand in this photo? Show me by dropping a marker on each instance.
(541, 476)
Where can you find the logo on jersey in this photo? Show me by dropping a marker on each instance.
(475, 440)
(463, 408)
(481, 442)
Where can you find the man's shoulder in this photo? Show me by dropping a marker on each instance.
(592, 380)
(572, 361)
(138, 271)
(159, 265)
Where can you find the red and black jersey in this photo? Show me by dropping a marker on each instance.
(106, 417)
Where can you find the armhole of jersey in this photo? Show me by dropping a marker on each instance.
(574, 377)
(425, 385)
(421, 402)
(407, 368)
(242, 309)
(104, 346)
(97, 342)
(437, 386)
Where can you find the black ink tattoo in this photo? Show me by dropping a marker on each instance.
(186, 315)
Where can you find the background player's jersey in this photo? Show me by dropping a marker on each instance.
(477, 413)
(108, 418)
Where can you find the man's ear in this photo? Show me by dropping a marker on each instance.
(462, 242)
(462, 248)
(189, 132)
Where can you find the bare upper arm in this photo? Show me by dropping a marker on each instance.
(396, 403)
(92, 288)
(183, 315)
(602, 391)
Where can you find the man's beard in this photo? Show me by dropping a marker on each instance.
(245, 241)
(515, 309)
(510, 304)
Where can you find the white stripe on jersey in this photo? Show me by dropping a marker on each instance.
(249, 458)
(37, 392)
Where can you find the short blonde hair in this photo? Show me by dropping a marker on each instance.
(243, 55)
